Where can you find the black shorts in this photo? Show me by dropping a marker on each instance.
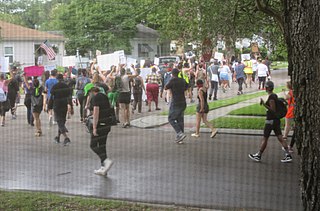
(124, 97)
(272, 125)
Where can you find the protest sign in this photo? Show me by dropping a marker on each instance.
(245, 56)
(4, 64)
(105, 61)
(131, 61)
(69, 61)
(218, 56)
(33, 71)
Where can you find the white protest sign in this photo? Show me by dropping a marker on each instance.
(156, 61)
(245, 56)
(105, 61)
(143, 73)
(69, 61)
(142, 63)
(131, 61)
(218, 56)
(122, 57)
(49, 67)
(4, 64)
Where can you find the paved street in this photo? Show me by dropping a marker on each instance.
(150, 167)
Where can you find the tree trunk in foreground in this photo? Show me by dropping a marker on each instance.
(302, 34)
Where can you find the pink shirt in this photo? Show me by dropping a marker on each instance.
(3, 86)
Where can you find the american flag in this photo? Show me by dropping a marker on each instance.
(48, 49)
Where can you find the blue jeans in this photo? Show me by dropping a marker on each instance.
(176, 116)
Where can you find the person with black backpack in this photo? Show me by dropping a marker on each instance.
(81, 82)
(273, 116)
(137, 89)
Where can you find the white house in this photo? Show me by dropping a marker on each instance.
(22, 44)
(146, 44)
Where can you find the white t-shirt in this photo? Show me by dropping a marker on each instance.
(262, 70)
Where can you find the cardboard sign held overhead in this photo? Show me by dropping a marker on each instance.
(33, 71)
(245, 56)
(68, 61)
(4, 64)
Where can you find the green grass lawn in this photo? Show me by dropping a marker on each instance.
(14, 200)
(252, 110)
(241, 123)
(279, 65)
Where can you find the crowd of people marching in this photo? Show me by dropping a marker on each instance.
(123, 88)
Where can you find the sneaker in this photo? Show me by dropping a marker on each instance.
(195, 135)
(100, 171)
(57, 139)
(255, 157)
(287, 159)
(66, 141)
(54, 122)
(180, 138)
(14, 116)
(107, 163)
(214, 133)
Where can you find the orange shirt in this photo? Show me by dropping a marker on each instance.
(291, 103)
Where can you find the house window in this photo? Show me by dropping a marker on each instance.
(143, 50)
(8, 52)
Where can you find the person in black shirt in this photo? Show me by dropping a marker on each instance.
(178, 86)
(61, 97)
(13, 91)
(100, 104)
(272, 123)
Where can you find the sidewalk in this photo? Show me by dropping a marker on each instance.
(156, 120)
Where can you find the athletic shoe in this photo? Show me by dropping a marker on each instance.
(195, 135)
(180, 138)
(57, 139)
(287, 159)
(107, 163)
(14, 116)
(54, 122)
(66, 141)
(100, 171)
(214, 133)
(255, 157)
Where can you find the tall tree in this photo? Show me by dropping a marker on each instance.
(300, 23)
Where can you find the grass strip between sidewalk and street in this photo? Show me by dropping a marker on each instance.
(241, 123)
(251, 110)
(23, 200)
(191, 110)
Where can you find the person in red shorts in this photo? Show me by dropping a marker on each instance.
(153, 80)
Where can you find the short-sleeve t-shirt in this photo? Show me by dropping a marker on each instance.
(270, 114)
(177, 86)
(101, 100)
(125, 84)
(49, 84)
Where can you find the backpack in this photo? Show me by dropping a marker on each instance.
(81, 84)
(118, 83)
(281, 108)
(137, 83)
(3, 96)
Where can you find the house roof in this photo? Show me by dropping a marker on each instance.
(9, 31)
(146, 32)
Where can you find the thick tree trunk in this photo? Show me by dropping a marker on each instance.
(302, 33)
